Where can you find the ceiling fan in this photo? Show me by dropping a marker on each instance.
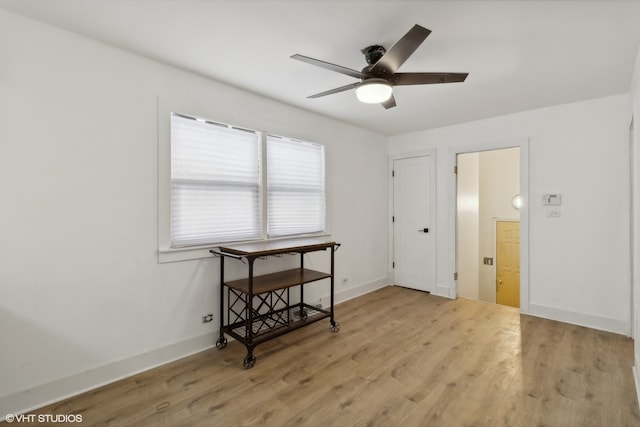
(378, 78)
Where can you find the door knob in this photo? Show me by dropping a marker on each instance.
(424, 230)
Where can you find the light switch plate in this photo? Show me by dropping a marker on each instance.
(552, 199)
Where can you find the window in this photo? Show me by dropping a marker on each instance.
(215, 183)
(295, 187)
(220, 189)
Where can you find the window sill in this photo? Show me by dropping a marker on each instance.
(166, 255)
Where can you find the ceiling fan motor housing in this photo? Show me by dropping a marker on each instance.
(373, 53)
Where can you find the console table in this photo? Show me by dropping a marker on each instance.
(258, 307)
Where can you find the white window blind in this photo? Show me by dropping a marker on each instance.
(295, 187)
(215, 183)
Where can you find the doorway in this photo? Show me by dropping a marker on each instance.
(488, 190)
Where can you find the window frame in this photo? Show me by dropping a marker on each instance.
(166, 253)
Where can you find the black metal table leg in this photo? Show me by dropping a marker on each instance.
(249, 360)
(303, 314)
(335, 326)
(221, 342)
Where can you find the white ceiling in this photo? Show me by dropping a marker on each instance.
(520, 55)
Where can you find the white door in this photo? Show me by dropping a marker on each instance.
(414, 223)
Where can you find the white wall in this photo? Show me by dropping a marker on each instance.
(83, 299)
(579, 263)
(467, 236)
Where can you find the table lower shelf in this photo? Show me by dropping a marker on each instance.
(279, 280)
(279, 322)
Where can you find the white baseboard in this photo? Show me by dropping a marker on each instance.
(580, 319)
(636, 377)
(36, 397)
(28, 400)
(351, 293)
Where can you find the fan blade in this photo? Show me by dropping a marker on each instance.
(389, 103)
(400, 79)
(329, 66)
(336, 90)
(400, 52)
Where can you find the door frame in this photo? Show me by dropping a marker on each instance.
(523, 144)
(433, 227)
(634, 232)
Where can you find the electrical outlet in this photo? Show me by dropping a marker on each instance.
(345, 280)
(208, 318)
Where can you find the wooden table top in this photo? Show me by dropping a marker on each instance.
(274, 247)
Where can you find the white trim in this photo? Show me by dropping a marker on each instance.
(634, 229)
(580, 319)
(434, 208)
(504, 219)
(636, 377)
(523, 144)
(183, 254)
(354, 292)
(28, 400)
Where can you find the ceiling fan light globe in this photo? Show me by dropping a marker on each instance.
(374, 91)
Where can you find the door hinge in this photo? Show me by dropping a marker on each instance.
(393, 264)
(393, 174)
(455, 276)
(393, 219)
(455, 169)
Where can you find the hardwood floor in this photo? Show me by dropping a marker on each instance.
(401, 358)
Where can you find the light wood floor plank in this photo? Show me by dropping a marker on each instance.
(402, 357)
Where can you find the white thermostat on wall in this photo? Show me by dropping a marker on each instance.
(552, 200)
